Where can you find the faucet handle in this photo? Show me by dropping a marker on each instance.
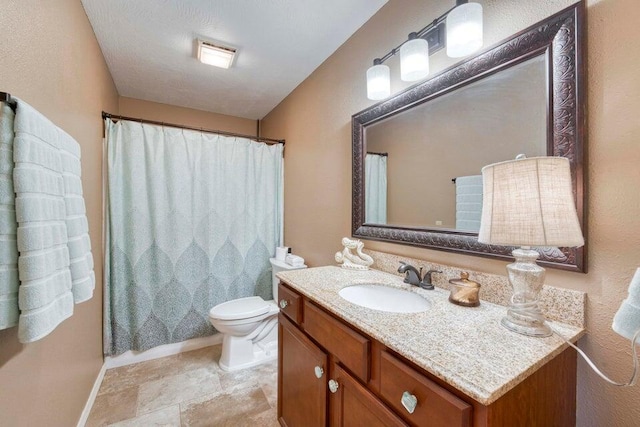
(403, 266)
(426, 280)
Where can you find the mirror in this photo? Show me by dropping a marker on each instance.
(431, 155)
(417, 156)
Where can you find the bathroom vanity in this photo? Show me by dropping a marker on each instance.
(341, 364)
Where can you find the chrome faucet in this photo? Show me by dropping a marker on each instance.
(414, 277)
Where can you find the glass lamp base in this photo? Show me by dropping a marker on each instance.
(526, 278)
(532, 329)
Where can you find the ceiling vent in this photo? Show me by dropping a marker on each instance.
(212, 54)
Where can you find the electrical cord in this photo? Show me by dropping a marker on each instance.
(634, 376)
(531, 312)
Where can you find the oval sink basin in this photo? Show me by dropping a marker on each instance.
(385, 298)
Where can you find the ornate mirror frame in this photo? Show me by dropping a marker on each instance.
(559, 38)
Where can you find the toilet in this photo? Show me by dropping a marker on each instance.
(249, 326)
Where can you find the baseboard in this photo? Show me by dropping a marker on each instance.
(92, 396)
(131, 357)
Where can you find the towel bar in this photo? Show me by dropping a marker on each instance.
(6, 98)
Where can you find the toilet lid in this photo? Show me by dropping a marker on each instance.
(240, 308)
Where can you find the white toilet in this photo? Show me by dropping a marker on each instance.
(249, 326)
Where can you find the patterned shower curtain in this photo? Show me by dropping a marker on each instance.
(375, 193)
(191, 221)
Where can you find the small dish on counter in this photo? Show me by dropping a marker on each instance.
(465, 292)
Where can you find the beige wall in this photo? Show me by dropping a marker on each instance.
(50, 58)
(138, 108)
(315, 119)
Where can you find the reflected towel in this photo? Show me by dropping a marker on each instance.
(55, 263)
(468, 202)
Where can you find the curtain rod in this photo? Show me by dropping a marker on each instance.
(6, 98)
(114, 117)
(378, 154)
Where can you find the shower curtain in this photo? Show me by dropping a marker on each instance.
(192, 219)
(375, 194)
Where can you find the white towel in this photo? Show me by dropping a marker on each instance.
(8, 226)
(626, 322)
(55, 264)
(468, 202)
(81, 259)
(294, 260)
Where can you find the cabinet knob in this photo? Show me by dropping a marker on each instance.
(283, 303)
(318, 371)
(409, 401)
(333, 386)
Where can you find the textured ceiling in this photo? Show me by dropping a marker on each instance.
(150, 50)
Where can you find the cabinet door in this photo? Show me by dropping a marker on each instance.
(302, 379)
(352, 405)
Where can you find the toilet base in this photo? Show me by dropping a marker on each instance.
(241, 352)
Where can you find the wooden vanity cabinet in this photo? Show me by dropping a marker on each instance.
(315, 347)
(302, 384)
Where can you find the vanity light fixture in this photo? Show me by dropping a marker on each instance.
(378, 81)
(463, 24)
(212, 54)
(464, 30)
(414, 59)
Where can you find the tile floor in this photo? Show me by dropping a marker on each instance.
(188, 389)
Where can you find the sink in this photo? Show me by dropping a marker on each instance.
(385, 298)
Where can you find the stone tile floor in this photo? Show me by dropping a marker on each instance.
(188, 389)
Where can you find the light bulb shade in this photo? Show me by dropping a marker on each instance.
(626, 322)
(464, 30)
(414, 60)
(378, 82)
(529, 202)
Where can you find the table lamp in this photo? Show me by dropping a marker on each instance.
(528, 203)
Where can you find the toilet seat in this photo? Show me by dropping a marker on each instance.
(243, 310)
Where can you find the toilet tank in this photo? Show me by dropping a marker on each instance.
(276, 267)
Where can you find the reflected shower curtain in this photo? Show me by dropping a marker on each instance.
(191, 221)
(375, 193)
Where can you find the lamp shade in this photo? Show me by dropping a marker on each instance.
(378, 82)
(464, 30)
(529, 202)
(414, 60)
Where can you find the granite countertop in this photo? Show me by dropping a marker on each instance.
(465, 347)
